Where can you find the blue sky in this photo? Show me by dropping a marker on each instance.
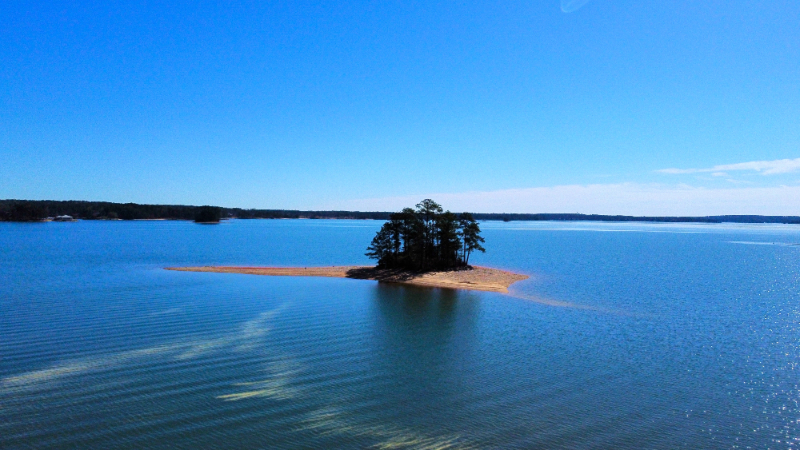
(615, 106)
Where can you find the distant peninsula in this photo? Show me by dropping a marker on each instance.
(468, 278)
(40, 210)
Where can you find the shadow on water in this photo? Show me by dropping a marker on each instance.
(427, 310)
(422, 338)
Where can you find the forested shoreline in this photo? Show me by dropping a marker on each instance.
(37, 210)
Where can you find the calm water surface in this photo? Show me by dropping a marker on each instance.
(626, 336)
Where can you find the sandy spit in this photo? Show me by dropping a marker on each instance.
(475, 279)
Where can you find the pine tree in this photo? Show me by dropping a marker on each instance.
(470, 232)
(447, 231)
(382, 246)
(427, 211)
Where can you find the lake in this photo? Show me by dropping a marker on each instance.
(626, 336)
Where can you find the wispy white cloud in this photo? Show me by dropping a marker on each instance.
(622, 198)
(764, 167)
(569, 6)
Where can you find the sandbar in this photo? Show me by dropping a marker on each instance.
(475, 278)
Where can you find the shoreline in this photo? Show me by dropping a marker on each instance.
(474, 279)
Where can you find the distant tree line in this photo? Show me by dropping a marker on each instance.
(208, 214)
(18, 210)
(575, 217)
(22, 211)
(426, 238)
(36, 210)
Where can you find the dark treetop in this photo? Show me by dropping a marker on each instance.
(426, 238)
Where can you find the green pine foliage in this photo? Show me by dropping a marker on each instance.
(426, 238)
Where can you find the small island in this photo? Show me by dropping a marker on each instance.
(426, 246)
(473, 278)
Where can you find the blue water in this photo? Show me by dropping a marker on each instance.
(626, 336)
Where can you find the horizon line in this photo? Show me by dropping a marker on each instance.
(500, 215)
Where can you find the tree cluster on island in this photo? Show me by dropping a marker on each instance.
(426, 238)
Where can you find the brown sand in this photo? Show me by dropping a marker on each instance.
(476, 278)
